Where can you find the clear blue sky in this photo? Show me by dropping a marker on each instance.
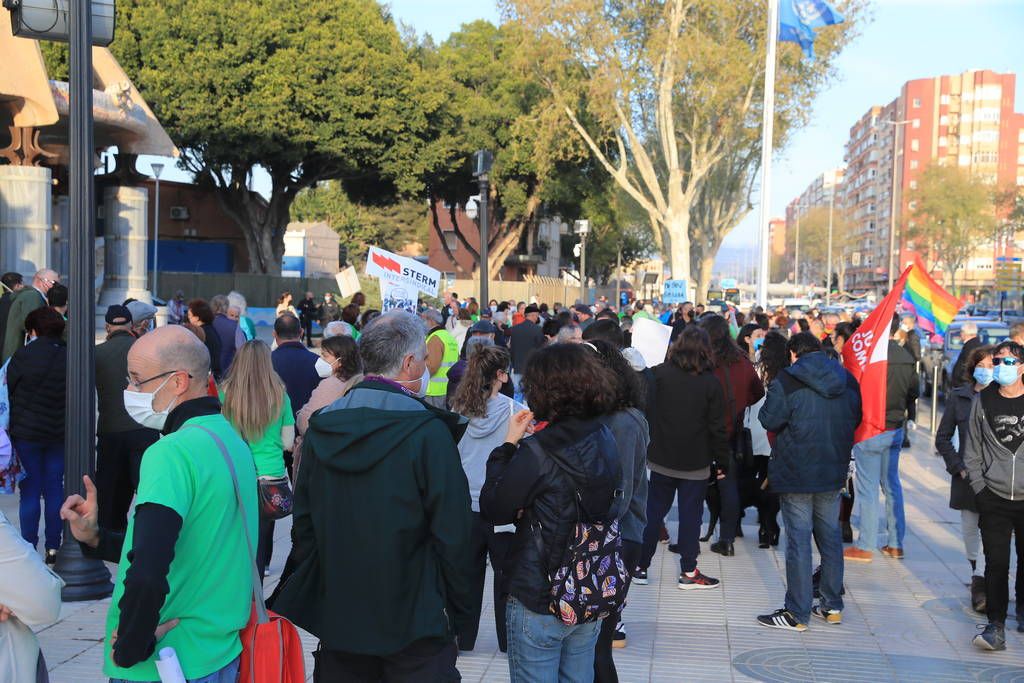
(905, 39)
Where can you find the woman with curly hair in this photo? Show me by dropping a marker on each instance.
(545, 484)
(687, 436)
(479, 398)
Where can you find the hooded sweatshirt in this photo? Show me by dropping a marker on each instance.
(483, 435)
(814, 408)
(381, 530)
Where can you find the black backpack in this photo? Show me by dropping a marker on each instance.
(591, 579)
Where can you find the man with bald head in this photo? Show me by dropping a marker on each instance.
(24, 302)
(185, 576)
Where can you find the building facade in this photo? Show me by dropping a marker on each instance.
(820, 192)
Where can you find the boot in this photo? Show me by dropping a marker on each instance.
(763, 538)
(978, 601)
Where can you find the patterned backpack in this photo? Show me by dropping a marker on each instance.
(591, 580)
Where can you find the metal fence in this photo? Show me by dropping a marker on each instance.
(548, 290)
(259, 290)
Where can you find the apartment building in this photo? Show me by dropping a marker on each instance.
(818, 193)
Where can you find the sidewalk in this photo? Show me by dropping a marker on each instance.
(904, 621)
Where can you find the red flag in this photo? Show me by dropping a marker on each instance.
(866, 356)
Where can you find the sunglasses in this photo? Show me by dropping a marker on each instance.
(1008, 360)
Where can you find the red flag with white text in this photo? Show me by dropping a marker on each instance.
(866, 356)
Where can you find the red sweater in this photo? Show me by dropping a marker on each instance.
(746, 388)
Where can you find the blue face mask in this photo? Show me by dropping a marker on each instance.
(1005, 375)
(758, 343)
(983, 375)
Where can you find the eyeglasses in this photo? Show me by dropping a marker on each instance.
(1008, 360)
(138, 385)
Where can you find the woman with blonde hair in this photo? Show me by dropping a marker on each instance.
(256, 404)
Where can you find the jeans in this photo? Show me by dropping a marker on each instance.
(541, 649)
(972, 541)
(1000, 518)
(118, 459)
(483, 543)
(604, 664)
(229, 674)
(422, 660)
(817, 514)
(44, 476)
(660, 493)
(874, 462)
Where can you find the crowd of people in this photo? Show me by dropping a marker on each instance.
(412, 451)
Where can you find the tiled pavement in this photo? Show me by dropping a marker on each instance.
(904, 621)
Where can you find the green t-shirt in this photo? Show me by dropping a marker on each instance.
(268, 452)
(210, 577)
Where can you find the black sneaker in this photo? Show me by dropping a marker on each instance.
(640, 577)
(696, 582)
(619, 638)
(992, 637)
(816, 583)
(781, 618)
(829, 616)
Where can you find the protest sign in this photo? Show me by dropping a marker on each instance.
(650, 338)
(401, 270)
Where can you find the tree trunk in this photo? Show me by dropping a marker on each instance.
(702, 278)
(677, 230)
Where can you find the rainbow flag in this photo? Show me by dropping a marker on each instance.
(934, 307)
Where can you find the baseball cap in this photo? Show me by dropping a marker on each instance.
(483, 327)
(140, 311)
(118, 315)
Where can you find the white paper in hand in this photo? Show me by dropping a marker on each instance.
(650, 338)
(168, 666)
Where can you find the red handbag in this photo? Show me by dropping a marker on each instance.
(271, 647)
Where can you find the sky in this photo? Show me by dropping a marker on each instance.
(903, 40)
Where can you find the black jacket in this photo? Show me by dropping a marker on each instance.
(901, 386)
(524, 339)
(212, 341)
(814, 408)
(111, 381)
(687, 420)
(956, 418)
(36, 383)
(527, 479)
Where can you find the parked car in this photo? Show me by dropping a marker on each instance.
(945, 356)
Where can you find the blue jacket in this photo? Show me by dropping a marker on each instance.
(813, 406)
(296, 366)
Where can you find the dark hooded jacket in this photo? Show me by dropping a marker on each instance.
(901, 386)
(814, 408)
(528, 480)
(381, 531)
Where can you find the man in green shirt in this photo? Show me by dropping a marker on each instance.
(24, 302)
(185, 575)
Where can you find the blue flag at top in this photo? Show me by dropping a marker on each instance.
(799, 18)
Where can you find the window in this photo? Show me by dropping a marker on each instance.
(943, 99)
(911, 224)
(916, 123)
(913, 163)
(915, 146)
(451, 241)
(1020, 180)
(987, 114)
(871, 207)
(943, 120)
(917, 104)
(965, 159)
(943, 141)
(1020, 135)
(872, 173)
(986, 136)
(986, 157)
(871, 226)
(913, 184)
(911, 205)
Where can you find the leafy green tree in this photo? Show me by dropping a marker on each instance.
(307, 91)
(665, 94)
(953, 213)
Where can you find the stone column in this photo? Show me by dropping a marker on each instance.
(125, 230)
(61, 224)
(24, 219)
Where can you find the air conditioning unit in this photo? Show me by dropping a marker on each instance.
(179, 213)
(49, 20)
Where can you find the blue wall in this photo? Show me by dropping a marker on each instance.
(184, 256)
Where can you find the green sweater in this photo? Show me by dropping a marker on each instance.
(382, 521)
(25, 301)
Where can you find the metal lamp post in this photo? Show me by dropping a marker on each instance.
(482, 162)
(828, 274)
(85, 579)
(582, 228)
(892, 207)
(157, 170)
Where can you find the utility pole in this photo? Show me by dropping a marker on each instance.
(893, 205)
(828, 275)
(482, 162)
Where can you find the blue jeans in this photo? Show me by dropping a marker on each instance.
(877, 467)
(817, 514)
(660, 493)
(44, 476)
(229, 674)
(541, 649)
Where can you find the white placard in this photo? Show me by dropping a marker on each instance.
(401, 270)
(348, 282)
(650, 338)
(397, 295)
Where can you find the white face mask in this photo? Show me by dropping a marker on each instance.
(424, 382)
(323, 368)
(140, 407)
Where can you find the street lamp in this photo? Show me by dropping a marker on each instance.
(828, 274)
(482, 162)
(582, 227)
(892, 208)
(157, 170)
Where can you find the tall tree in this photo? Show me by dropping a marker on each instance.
(666, 94)
(814, 241)
(952, 214)
(307, 91)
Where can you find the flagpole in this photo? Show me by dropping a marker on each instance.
(767, 131)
